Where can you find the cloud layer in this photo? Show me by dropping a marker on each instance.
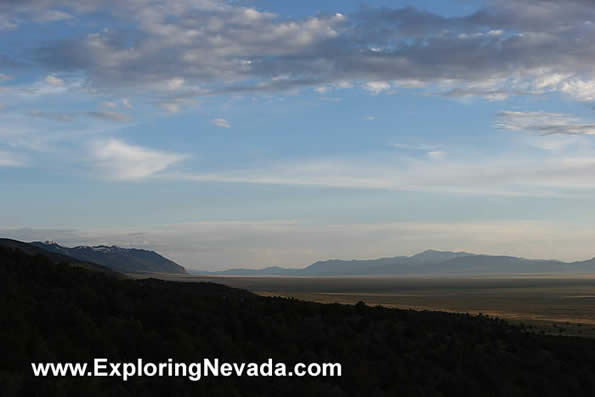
(204, 47)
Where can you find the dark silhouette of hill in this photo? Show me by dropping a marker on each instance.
(54, 257)
(124, 260)
(52, 312)
(427, 263)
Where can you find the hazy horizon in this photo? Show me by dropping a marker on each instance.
(256, 133)
(256, 266)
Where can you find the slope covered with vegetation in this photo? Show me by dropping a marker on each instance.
(124, 260)
(52, 312)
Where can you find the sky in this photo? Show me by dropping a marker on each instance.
(254, 133)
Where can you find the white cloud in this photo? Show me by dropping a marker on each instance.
(175, 83)
(170, 107)
(204, 41)
(221, 123)
(119, 160)
(54, 81)
(371, 118)
(173, 104)
(579, 89)
(344, 84)
(377, 87)
(50, 85)
(126, 103)
(323, 89)
(437, 154)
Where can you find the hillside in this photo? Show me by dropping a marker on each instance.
(52, 312)
(54, 257)
(124, 260)
(427, 263)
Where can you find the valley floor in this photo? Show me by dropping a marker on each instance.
(559, 305)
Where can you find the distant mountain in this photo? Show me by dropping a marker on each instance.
(124, 260)
(53, 257)
(334, 266)
(427, 263)
(433, 257)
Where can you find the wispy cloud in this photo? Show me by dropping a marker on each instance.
(170, 107)
(416, 146)
(126, 103)
(377, 87)
(476, 174)
(55, 116)
(110, 116)
(119, 160)
(109, 104)
(8, 159)
(72, 116)
(55, 81)
(51, 16)
(437, 154)
(221, 123)
(432, 151)
(544, 123)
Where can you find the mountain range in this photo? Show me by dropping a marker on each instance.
(100, 257)
(427, 263)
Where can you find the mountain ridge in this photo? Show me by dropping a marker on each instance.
(425, 263)
(53, 257)
(124, 260)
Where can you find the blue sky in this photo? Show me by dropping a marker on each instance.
(255, 133)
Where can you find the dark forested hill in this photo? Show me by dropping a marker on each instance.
(53, 257)
(52, 312)
(125, 260)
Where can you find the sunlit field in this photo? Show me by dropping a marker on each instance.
(549, 304)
